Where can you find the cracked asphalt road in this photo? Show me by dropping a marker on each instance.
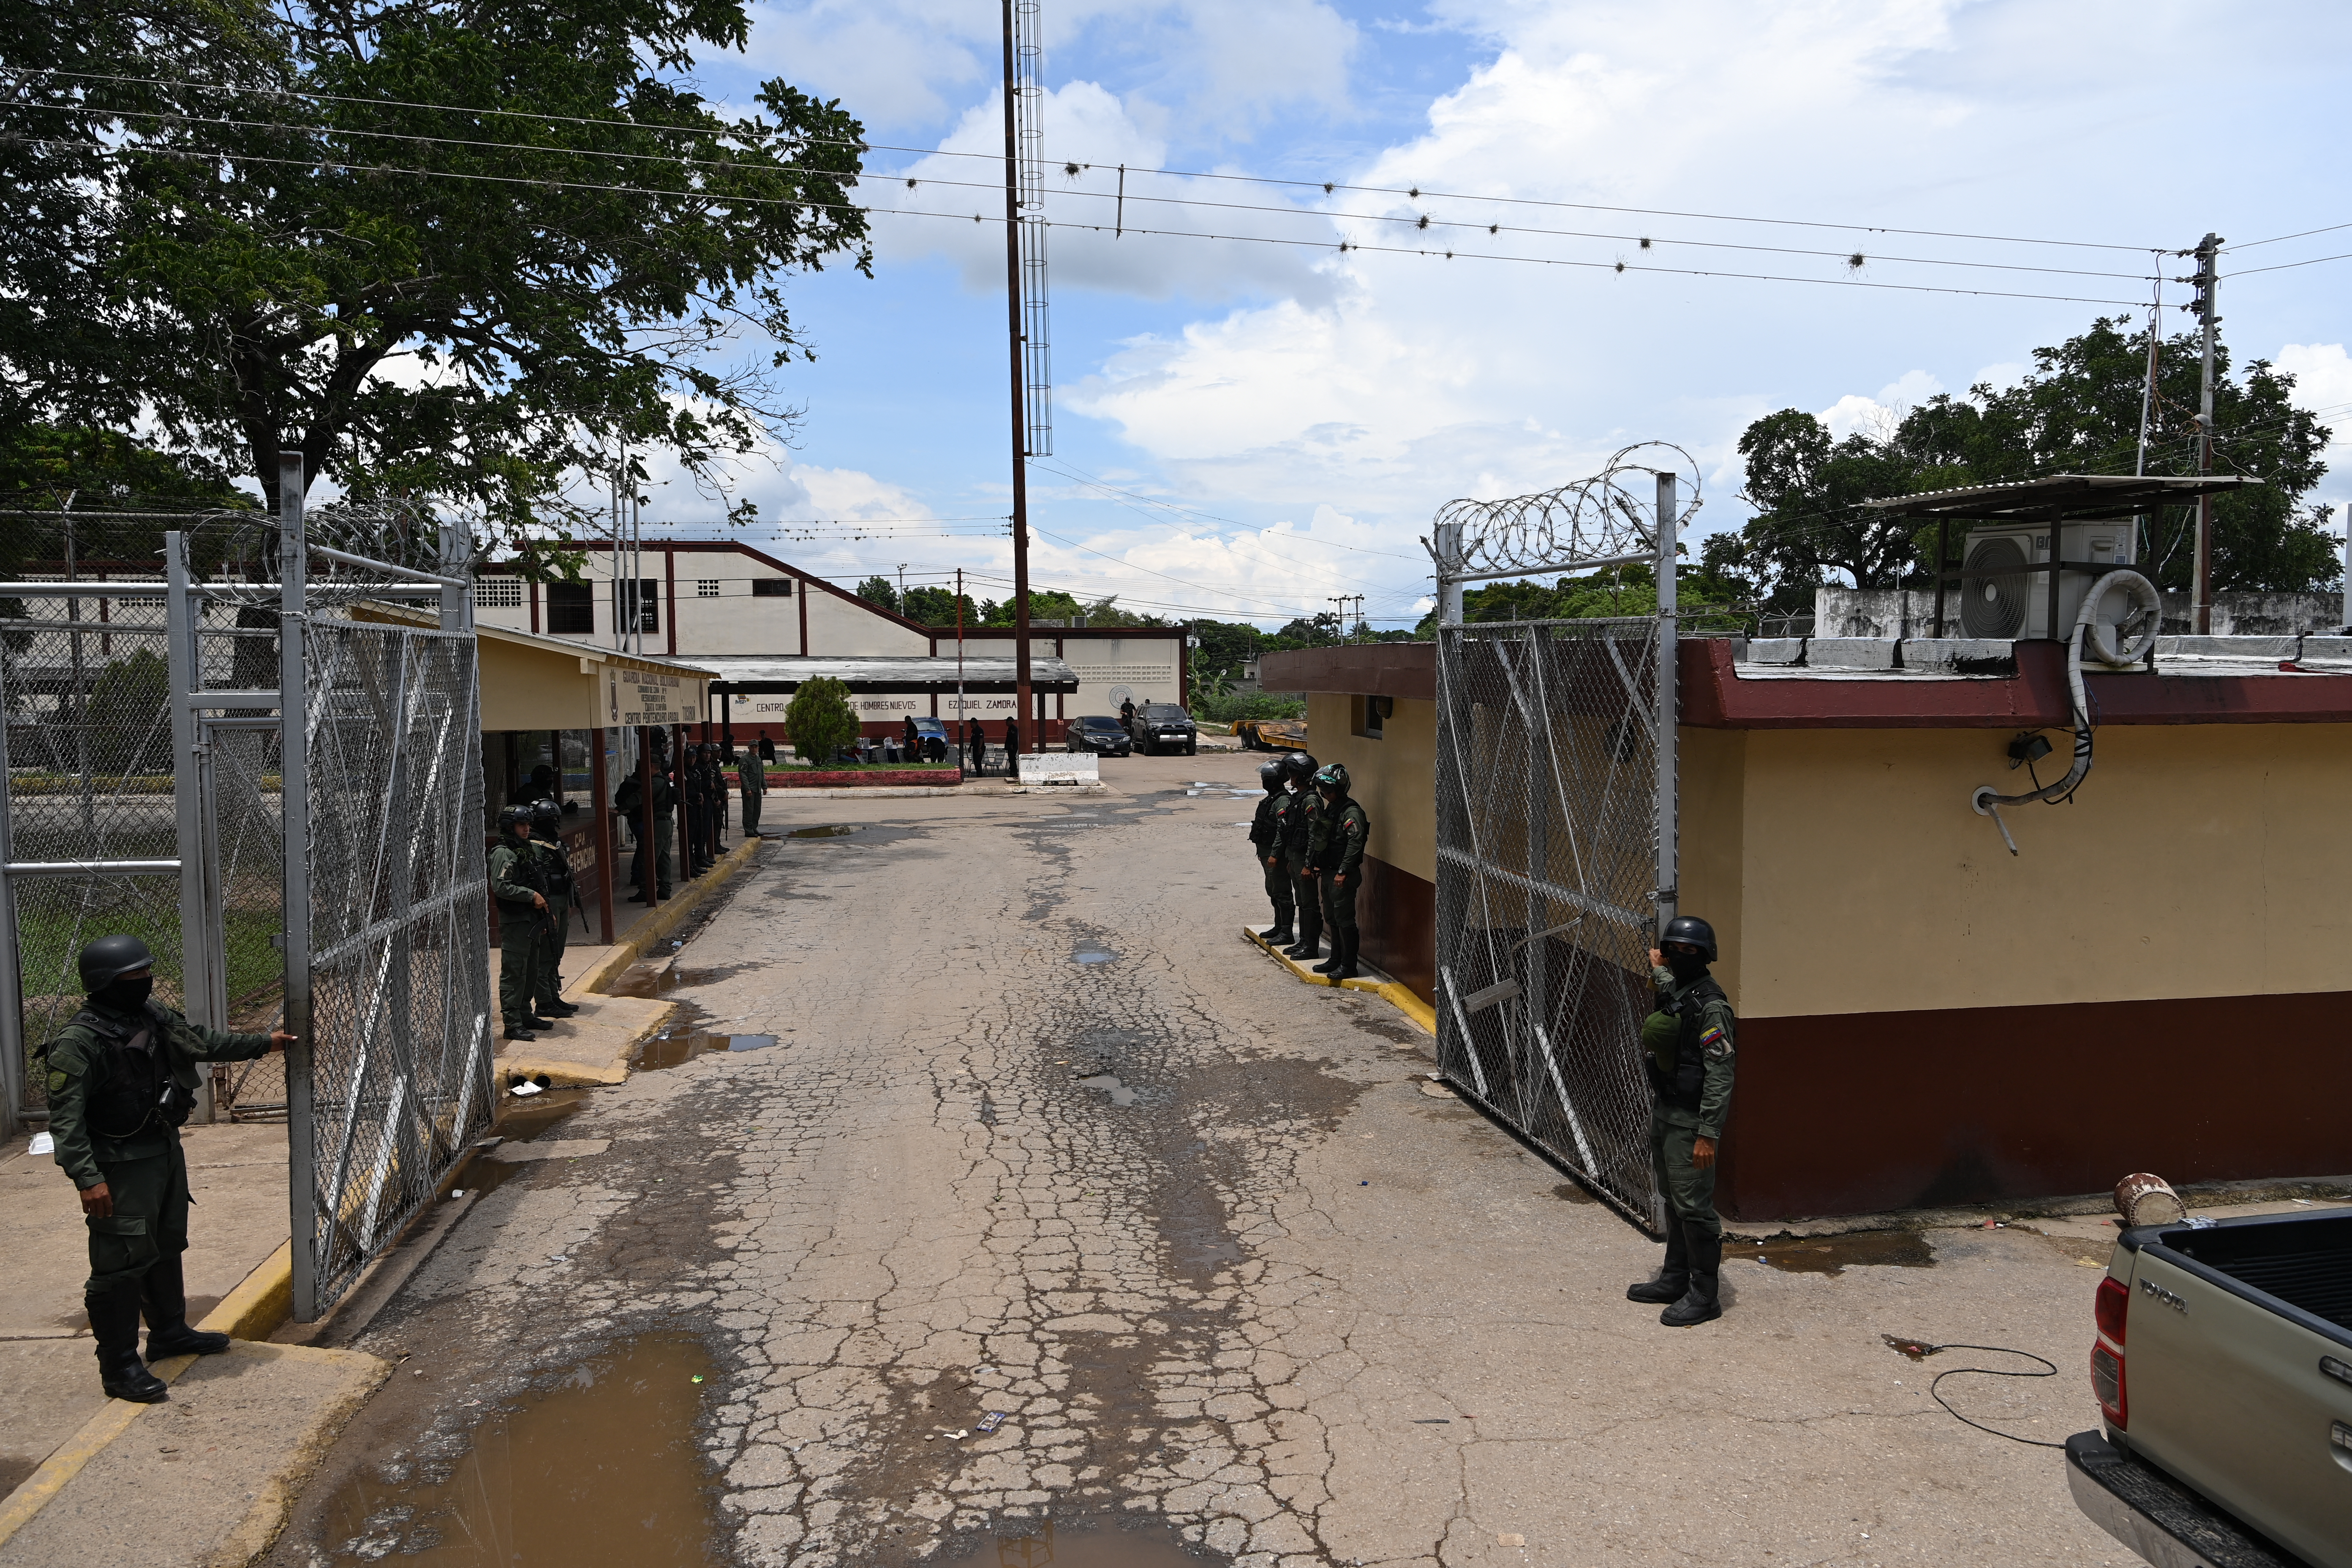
(1191, 1227)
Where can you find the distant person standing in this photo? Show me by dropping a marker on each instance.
(1265, 850)
(555, 878)
(519, 890)
(1335, 858)
(697, 786)
(977, 739)
(752, 779)
(1127, 713)
(540, 786)
(1012, 748)
(1298, 827)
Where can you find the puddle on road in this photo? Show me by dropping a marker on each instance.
(520, 1120)
(1088, 951)
(831, 831)
(1084, 1543)
(1119, 1093)
(657, 977)
(1836, 1253)
(601, 1469)
(670, 1050)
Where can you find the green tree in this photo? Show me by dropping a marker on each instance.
(820, 719)
(468, 251)
(937, 607)
(2078, 411)
(878, 590)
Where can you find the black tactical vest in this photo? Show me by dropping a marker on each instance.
(132, 1087)
(1683, 1087)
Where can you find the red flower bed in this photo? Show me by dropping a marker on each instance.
(829, 778)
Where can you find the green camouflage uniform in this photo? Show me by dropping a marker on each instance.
(1298, 819)
(554, 865)
(514, 878)
(1690, 1049)
(1266, 854)
(752, 775)
(1336, 850)
(103, 1136)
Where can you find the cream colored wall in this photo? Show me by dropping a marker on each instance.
(2198, 860)
(1394, 777)
(840, 627)
(1713, 842)
(533, 689)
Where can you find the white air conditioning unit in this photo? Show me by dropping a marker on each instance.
(2016, 602)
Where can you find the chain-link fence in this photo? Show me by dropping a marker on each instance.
(1547, 854)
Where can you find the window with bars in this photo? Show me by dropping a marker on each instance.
(771, 587)
(643, 595)
(706, 587)
(571, 609)
(498, 593)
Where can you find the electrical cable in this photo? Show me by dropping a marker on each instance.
(1344, 245)
(2300, 234)
(1327, 188)
(1935, 1386)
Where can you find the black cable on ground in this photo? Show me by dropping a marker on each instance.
(2050, 1369)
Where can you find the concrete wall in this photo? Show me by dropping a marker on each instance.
(1143, 668)
(1394, 777)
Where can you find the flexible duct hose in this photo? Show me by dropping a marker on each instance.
(2137, 633)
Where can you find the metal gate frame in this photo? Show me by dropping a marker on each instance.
(1594, 523)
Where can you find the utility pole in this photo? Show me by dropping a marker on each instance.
(1020, 409)
(2202, 592)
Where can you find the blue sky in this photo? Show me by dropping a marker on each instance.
(1307, 410)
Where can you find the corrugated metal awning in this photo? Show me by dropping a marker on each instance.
(881, 673)
(2060, 497)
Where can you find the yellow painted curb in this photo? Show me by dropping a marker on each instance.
(264, 1301)
(663, 919)
(1396, 992)
(273, 1501)
(570, 1075)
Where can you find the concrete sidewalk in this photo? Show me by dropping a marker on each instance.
(48, 1377)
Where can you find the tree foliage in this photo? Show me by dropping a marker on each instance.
(878, 590)
(465, 252)
(2078, 411)
(820, 719)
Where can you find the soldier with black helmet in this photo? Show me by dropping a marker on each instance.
(1266, 848)
(1335, 863)
(122, 1077)
(1688, 1046)
(554, 865)
(1297, 826)
(519, 890)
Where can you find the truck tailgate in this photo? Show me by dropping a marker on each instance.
(2234, 1389)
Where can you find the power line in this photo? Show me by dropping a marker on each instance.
(1343, 246)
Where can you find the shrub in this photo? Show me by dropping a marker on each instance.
(1225, 707)
(820, 719)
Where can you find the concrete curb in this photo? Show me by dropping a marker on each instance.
(273, 1501)
(913, 792)
(1396, 992)
(666, 918)
(250, 1311)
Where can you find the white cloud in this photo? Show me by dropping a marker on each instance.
(2322, 383)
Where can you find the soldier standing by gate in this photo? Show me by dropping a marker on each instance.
(555, 863)
(752, 776)
(1266, 848)
(1687, 1050)
(1335, 863)
(1297, 826)
(516, 884)
(121, 1079)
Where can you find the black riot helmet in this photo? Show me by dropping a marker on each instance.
(514, 817)
(546, 814)
(1302, 766)
(1334, 777)
(1270, 774)
(109, 958)
(1692, 929)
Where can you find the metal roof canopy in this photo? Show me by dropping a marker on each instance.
(882, 674)
(2061, 498)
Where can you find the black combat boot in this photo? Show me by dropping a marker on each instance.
(1310, 937)
(164, 1295)
(1279, 935)
(1675, 1278)
(114, 1323)
(513, 1033)
(536, 1021)
(1347, 940)
(1698, 1304)
(557, 1008)
(1339, 954)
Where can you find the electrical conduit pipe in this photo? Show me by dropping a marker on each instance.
(2125, 643)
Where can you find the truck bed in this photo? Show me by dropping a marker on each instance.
(2314, 1271)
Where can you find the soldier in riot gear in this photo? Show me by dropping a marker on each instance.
(1265, 849)
(520, 891)
(121, 1078)
(555, 863)
(1687, 1045)
(1335, 863)
(651, 881)
(1298, 823)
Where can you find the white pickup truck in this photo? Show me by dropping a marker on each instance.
(2223, 1370)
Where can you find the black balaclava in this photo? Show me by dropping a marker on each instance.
(127, 994)
(1685, 966)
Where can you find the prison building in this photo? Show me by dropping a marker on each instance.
(2152, 981)
(721, 598)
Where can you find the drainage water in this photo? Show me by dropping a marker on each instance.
(1083, 1544)
(832, 832)
(671, 1050)
(601, 1469)
(1091, 952)
(1119, 1093)
(1836, 1253)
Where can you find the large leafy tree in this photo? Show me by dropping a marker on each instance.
(2078, 411)
(467, 252)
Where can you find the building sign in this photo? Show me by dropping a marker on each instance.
(635, 697)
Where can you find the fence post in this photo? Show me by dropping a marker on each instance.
(187, 797)
(12, 978)
(1669, 709)
(294, 810)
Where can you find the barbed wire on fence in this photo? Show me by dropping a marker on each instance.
(1595, 518)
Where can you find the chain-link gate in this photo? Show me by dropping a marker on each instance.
(335, 888)
(1556, 825)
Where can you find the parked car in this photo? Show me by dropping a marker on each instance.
(1099, 734)
(1164, 727)
(1271, 734)
(2228, 1403)
(931, 736)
